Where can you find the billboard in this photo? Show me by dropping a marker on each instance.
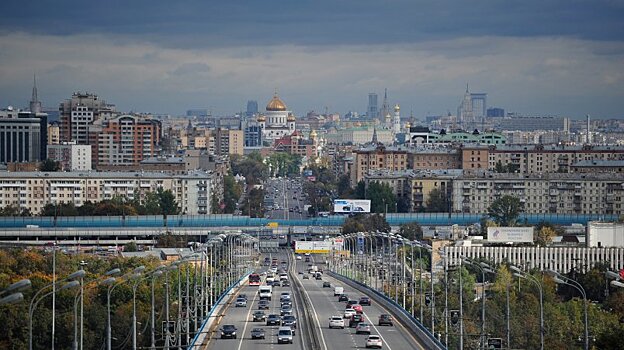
(510, 234)
(342, 206)
(313, 247)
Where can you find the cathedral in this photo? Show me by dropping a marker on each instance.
(276, 121)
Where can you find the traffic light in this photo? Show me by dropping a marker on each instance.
(427, 299)
(495, 343)
(454, 317)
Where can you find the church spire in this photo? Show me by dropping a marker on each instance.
(375, 141)
(35, 105)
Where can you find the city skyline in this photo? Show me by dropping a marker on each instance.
(532, 58)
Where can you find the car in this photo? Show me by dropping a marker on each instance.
(228, 331)
(348, 313)
(257, 333)
(318, 276)
(273, 320)
(336, 322)
(285, 296)
(286, 302)
(298, 257)
(284, 335)
(358, 308)
(259, 316)
(285, 308)
(300, 272)
(276, 284)
(351, 302)
(385, 320)
(264, 305)
(285, 283)
(244, 296)
(290, 321)
(306, 277)
(343, 297)
(241, 302)
(363, 328)
(355, 320)
(373, 341)
(364, 301)
(326, 284)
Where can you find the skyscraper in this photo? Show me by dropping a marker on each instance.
(372, 111)
(252, 108)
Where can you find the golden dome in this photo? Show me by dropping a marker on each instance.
(276, 104)
(291, 118)
(313, 134)
(261, 119)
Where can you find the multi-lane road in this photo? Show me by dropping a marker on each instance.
(287, 197)
(323, 305)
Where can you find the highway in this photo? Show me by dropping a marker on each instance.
(323, 304)
(287, 194)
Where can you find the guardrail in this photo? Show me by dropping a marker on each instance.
(410, 323)
(215, 312)
(308, 330)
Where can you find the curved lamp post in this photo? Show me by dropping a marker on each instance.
(14, 289)
(560, 279)
(110, 282)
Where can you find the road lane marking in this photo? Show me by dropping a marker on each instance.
(240, 344)
(318, 323)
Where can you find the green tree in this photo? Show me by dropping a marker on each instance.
(50, 165)
(505, 210)
(382, 198)
(344, 186)
(252, 167)
(167, 202)
(437, 201)
(411, 231)
(365, 222)
(131, 247)
(351, 225)
(254, 205)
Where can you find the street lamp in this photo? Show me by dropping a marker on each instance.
(14, 289)
(33, 303)
(110, 282)
(560, 279)
(521, 274)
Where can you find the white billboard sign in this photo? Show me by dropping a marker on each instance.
(313, 247)
(342, 206)
(510, 234)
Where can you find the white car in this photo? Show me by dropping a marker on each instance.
(336, 322)
(374, 341)
(298, 257)
(349, 312)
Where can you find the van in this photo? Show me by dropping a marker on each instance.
(265, 292)
(338, 290)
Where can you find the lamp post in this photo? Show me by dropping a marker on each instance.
(34, 301)
(110, 282)
(155, 274)
(14, 289)
(478, 266)
(521, 274)
(560, 279)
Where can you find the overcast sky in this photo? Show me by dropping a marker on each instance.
(560, 57)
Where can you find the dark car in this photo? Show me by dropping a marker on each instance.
(306, 277)
(365, 301)
(326, 284)
(355, 319)
(264, 305)
(259, 316)
(351, 302)
(257, 333)
(343, 297)
(228, 331)
(285, 283)
(318, 276)
(290, 321)
(385, 320)
(276, 283)
(273, 320)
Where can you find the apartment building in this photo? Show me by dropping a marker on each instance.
(78, 113)
(229, 141)
(33, 190)
(536, 159)
(434, 158)
(127, 140)
(554, 193)
(378, 158)
(72, 157)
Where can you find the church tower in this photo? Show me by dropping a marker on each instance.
(396, 127)
(35, 104)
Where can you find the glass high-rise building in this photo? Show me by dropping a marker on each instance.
(252, 108)
(372, 111)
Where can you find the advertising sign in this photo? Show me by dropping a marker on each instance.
(342, 206)
(510, 234)
(313, 247)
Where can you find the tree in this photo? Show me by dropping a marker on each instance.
(411, 231)
(544, 236)
(131, 247)
(344, 186)
(351, 225)
(382, 198)
(437, 201)
(167, 202)
(505, 210)
(365, 222)
(50, 165)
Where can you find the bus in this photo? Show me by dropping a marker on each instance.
(254, 279)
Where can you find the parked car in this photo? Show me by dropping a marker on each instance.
(363, 328)
(365, 301)
(259, 316)
(257, 333)
(385, 320)
(228, 331)
(336, 322)
(374, 341)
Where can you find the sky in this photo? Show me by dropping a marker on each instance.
(547, 57)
